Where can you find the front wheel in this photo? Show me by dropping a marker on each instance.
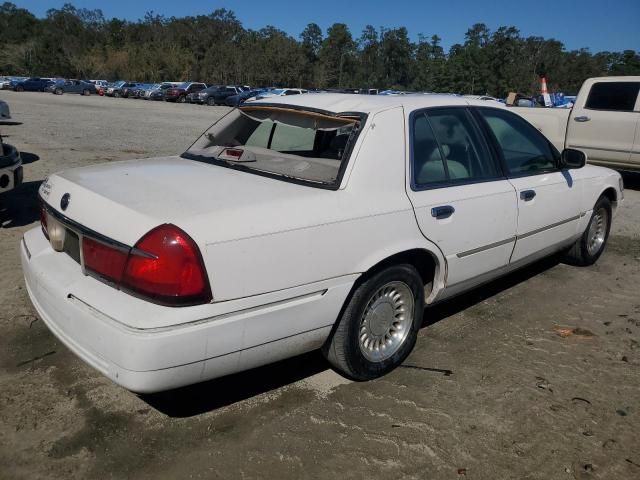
(58, 91)
(590, 245)
(211, 102)
(379, 325)
(86, 93)
(19, 88)
(182, 99)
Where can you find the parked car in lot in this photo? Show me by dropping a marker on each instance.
(219, 96)
(203, 96)
(33, 84)
(139, 90)
(128, 89)
(158, 93)
(114, 87)
(145, 93)
(179, 93)
(604, 122)
(10, 160)
(100, 83)
(342, 217)
(120, 89)
(72, 86)
(240, 98)
(10, 84)
(282, 92)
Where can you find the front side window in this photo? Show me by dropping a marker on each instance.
(613, 96)
(448, 148)
(310, 147)
(524, 149)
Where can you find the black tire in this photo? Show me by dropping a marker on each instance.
(86, 92)
(343, 350)
(58, 91)
(19, 88)
(211, 101)
(585, 252)
(116, 94)
(182, 99)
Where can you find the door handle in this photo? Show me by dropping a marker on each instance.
(527, 195)
(582, 119)
(444, 211)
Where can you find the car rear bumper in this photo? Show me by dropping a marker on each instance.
(232, 336)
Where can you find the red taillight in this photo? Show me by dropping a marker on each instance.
(165, 267)
(104, 260)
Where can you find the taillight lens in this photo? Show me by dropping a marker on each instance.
(165, 267)
(106, 261)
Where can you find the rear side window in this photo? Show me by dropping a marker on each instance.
(448, 148)
(613, 96)
(525, 150)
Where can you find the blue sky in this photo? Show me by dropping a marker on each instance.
(595, 24)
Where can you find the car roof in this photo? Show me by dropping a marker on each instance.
(344, 102)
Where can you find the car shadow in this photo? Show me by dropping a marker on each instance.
(466, 300)
(28, 157)
(631, 180)
(214, 394)
(19, 207)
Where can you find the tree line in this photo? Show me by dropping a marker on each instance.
(216, 48)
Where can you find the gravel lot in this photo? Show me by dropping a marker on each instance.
(536, 376)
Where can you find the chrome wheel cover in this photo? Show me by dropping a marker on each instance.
(597, 231)
(386, 321)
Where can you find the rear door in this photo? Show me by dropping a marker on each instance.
(604, 120)
(548, 198)
(462, 201)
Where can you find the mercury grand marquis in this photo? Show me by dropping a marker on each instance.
(322, 221)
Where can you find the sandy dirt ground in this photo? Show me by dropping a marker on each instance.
(536, 376)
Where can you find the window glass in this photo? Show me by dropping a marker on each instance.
(428, 166)
(308, 146)
(615, 96)
(447, 147)
(525, 150)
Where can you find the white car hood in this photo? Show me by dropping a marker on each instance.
(124, 200)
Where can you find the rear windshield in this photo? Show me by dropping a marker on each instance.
(282, 142)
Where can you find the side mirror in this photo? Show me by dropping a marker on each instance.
(571, 158)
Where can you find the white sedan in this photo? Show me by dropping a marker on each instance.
(325, 221)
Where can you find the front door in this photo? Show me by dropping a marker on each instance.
(461, 200)
(603, 124)
(548, 198)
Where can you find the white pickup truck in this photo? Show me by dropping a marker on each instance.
(604, 122)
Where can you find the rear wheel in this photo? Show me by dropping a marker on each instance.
(19, 88)
(86, 93)
(116, 94)
(590, 245)
(58, 91)
(182, 99)
(211, 102)
(378, 326)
